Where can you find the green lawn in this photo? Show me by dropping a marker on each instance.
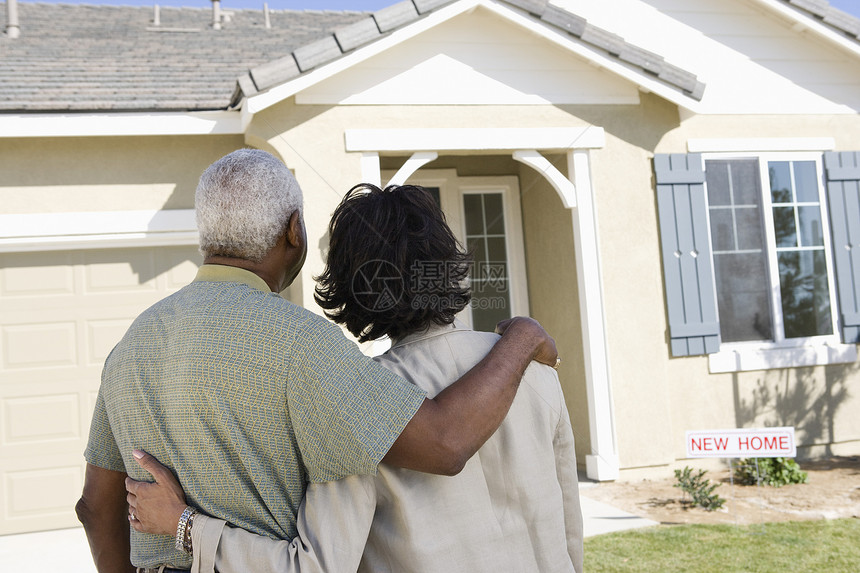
(808, 546)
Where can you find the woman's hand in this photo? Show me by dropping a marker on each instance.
(154, 507)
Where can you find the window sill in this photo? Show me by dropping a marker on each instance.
(740, 359)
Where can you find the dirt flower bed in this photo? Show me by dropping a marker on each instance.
(833, 492)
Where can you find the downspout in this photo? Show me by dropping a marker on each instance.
(13, 29)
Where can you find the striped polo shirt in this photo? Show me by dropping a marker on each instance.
(246, 397)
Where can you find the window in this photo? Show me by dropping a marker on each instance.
(760, 252)
(772, 266)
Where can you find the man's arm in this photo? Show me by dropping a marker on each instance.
(447, 430)
(102, 510)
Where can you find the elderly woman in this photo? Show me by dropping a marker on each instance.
(513, 507)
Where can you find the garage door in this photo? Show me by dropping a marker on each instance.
(61, 313)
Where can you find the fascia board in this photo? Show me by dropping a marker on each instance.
(595, 56)
(275, 95)
(120, 124)
(808, 23)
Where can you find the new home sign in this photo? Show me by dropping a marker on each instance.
(742, 443)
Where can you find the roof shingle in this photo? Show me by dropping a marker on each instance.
(87, 57)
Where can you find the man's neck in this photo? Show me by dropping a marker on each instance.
(256, 268)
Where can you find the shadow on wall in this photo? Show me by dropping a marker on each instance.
(806, 398)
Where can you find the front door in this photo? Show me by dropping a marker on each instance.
(484, 213)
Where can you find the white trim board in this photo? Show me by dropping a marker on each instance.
(121, 124)
(109, 229)
(739, 359)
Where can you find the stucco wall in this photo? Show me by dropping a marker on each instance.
(820, 402)
(77, 174)
(656, 397)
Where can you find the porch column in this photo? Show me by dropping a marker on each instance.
(602, 464)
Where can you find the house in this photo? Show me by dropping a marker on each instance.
(670, 188)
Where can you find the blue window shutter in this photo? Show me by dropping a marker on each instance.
(691, 297)
(843, 200)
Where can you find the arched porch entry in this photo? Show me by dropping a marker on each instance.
(529, 146)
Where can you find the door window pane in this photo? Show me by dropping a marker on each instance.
(494, 213)
(473, 209)
(489, 278)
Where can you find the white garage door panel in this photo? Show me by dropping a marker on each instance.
(61, 313)
(58, 416)
(36, 381)
(117, 272)
(34, 498)
(28, 275)
(39, 345)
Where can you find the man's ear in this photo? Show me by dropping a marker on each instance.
(295, 230)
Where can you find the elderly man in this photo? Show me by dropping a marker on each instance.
(514, 507)
(248, 397)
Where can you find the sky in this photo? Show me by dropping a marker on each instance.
(850, 6)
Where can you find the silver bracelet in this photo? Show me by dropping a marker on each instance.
(180, 529)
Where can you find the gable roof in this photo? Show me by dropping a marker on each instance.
(377, 25)
(97, 58)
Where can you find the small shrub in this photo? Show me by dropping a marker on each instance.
(775, 472)
(701, 490)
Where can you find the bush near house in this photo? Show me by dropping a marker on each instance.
(700, 490)
(775, 472)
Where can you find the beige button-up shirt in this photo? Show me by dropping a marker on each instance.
(514, 507)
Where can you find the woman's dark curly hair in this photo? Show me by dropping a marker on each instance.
(394, 266)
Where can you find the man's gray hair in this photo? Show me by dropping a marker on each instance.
(243, 203)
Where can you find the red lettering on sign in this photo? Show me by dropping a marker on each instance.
(697, 444)
(743, 443)
(770, 443)
(783, 442)
(722, 443)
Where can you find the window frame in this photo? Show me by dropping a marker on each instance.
(781, 351)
